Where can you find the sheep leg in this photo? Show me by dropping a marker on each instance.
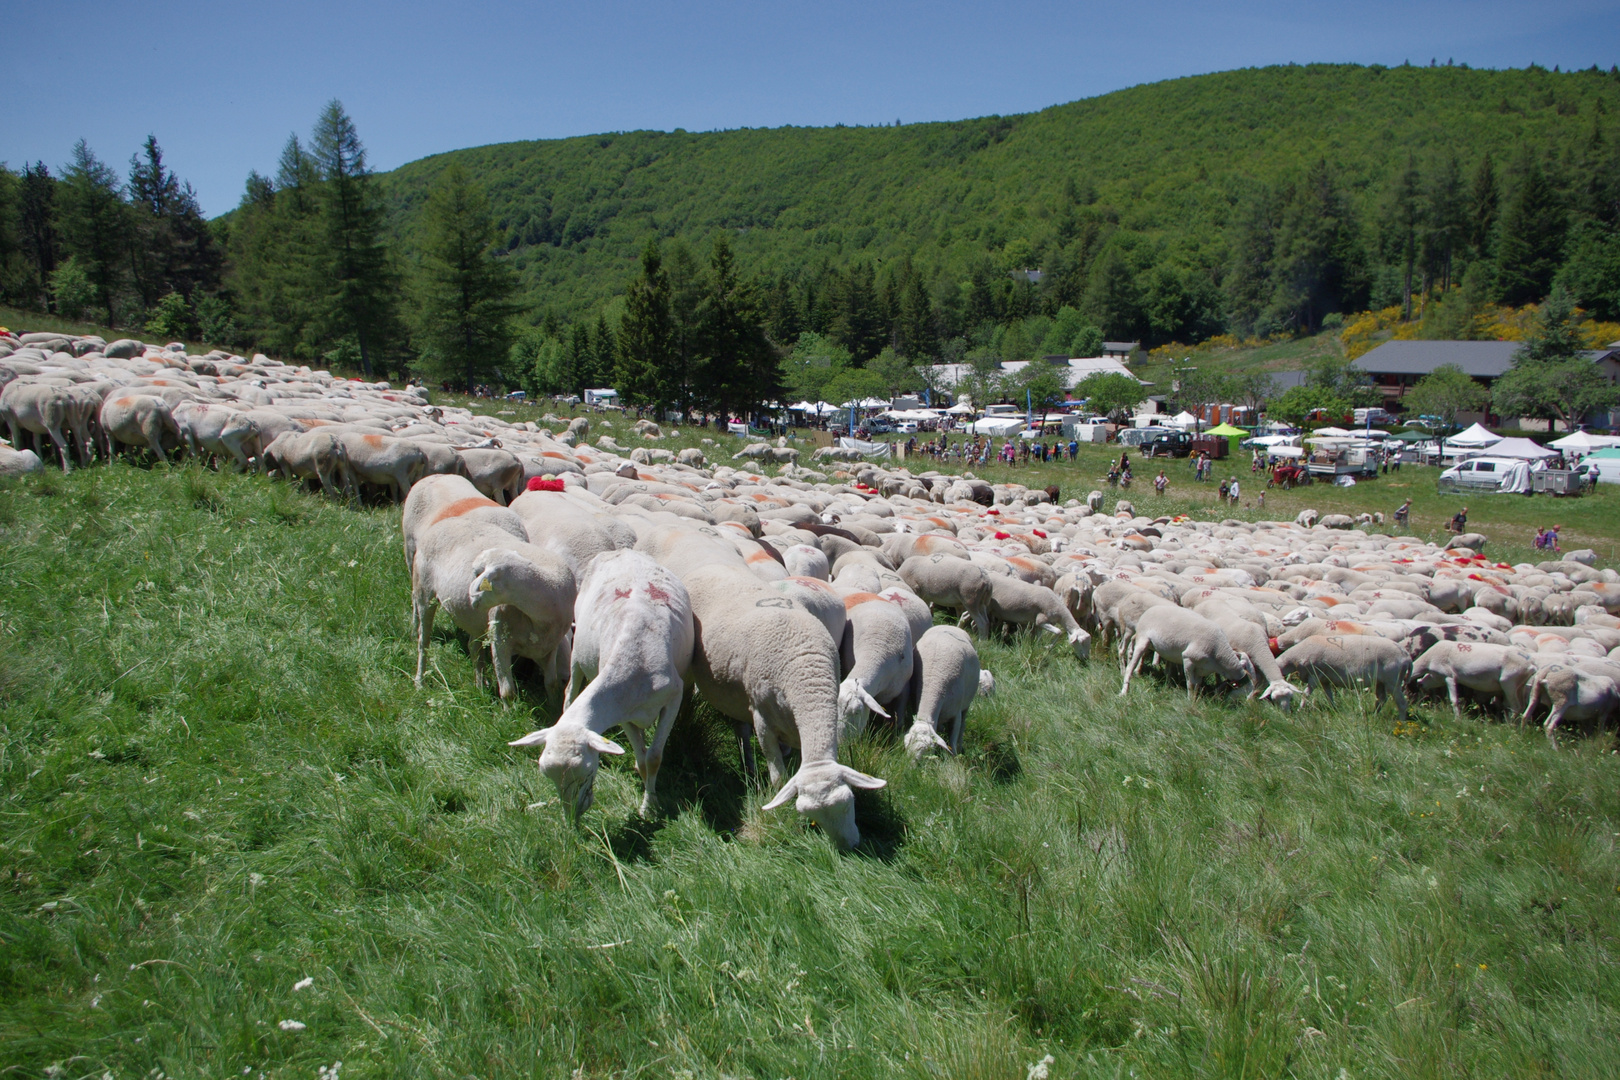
(152, 432)
(576, 682)
(1400, 698)
(1189, 668)
(61, 448)
(500, 649)
(423, 605)
(557, 663)
(1135, 662)
(1456, 700)
(745, 749)
(649, 760)
(956, 731)
(773, 750)
(1554, 718)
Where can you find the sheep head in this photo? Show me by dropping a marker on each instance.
(823, 793)
(856, 705)
(921, 739)
(498, 575)
(571, 756)
(1281, 694)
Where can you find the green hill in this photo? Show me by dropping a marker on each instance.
(1157, 173)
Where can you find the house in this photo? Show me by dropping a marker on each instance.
(1120, 348)
(1395, 366)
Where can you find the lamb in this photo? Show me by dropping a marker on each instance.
(944, 684)
(1185, 637)
(1094, 502)
(633, 642)
(691, 456)
(953, 583)
(757, 451)
(876, 656)
(1574, 694)
(1496, 670)
(1334, 660)
(475, 570)
(1015, 601)
(761, 660)
(1338, 521)
(1305, 519)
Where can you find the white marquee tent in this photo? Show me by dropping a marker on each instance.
(1474, 436)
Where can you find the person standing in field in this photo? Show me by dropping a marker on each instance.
(1403, 513)
(1160, 482)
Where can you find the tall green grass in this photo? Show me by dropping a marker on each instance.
(216, 781)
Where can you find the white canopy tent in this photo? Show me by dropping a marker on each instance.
(961, 408)
(1183, 419)
(998, 425)
(1332, 432)
(1583, 441)
(1520, 449)
(1474, 436)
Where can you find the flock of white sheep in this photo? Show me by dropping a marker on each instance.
(800, 605)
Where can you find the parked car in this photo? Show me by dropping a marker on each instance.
(1487, 474)
(907, 427)
(1169, 443)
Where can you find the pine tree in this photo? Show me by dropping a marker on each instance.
(358, 282)
(1319, 266)
(464, 294)
(604, 352)
(1446, 224)
(94, 221)
(1248, 283)
(1403, 218)
(174, 247)
(36, 216)
(1483, 199)
(1530, 239)
(646, 373)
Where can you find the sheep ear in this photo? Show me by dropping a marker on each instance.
(857, 779)
(941, 743)
(1052, 628)
(533, 738)
(871, 703)
(789, 791)
(603, 746)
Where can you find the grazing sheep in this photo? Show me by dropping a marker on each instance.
(819, 599)
(308, 455)
(944, 684)
(756, 451)
(1341, 660)
(1495, 670)
(802, 560)
(876, 657)
(440, 497)
(38, 409)
(1017, 602)
(761, 660)
(394, 464)
(1250, 641)
(1094, 502)
(633, 641)
(1306, 519)
(1573, 693)
(218, 430)
(493, 471)
(1184, 637)
(952, 583)
(475, 570)
(691, 456)
(137, 419)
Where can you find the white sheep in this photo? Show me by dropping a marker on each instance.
(633, 640)
(1184, 637)
(876, 654)
(762, 660)
(945, 682)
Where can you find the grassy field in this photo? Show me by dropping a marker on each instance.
(236, 841)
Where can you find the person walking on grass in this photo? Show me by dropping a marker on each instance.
(1235, 492)
(1403, 513)
(1160, 482)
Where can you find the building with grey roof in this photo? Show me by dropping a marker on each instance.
(1395, 366)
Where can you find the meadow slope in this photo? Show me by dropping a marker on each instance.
(217, 782)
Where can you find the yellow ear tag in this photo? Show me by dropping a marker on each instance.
(486, 586)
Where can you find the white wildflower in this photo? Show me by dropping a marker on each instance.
(293, 1025)
(304, 983)
(1041, 1069)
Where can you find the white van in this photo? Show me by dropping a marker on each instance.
(1604, 470)
(1487, 474)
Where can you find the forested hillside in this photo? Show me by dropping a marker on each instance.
(1251, 203)
(1136, 203)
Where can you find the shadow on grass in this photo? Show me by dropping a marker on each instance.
(631, 839)
(702, 769)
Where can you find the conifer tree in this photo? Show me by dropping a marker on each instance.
(464, 294)
(1530, 239)
(1483, 199)
(36, 227)
(646, 372)
(358, 283)
(94, 223)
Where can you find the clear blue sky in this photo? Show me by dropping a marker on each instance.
(221, 84)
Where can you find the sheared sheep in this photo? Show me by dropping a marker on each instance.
(1342, 660)
(944, 581)
(944, 684)
(632, 646)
